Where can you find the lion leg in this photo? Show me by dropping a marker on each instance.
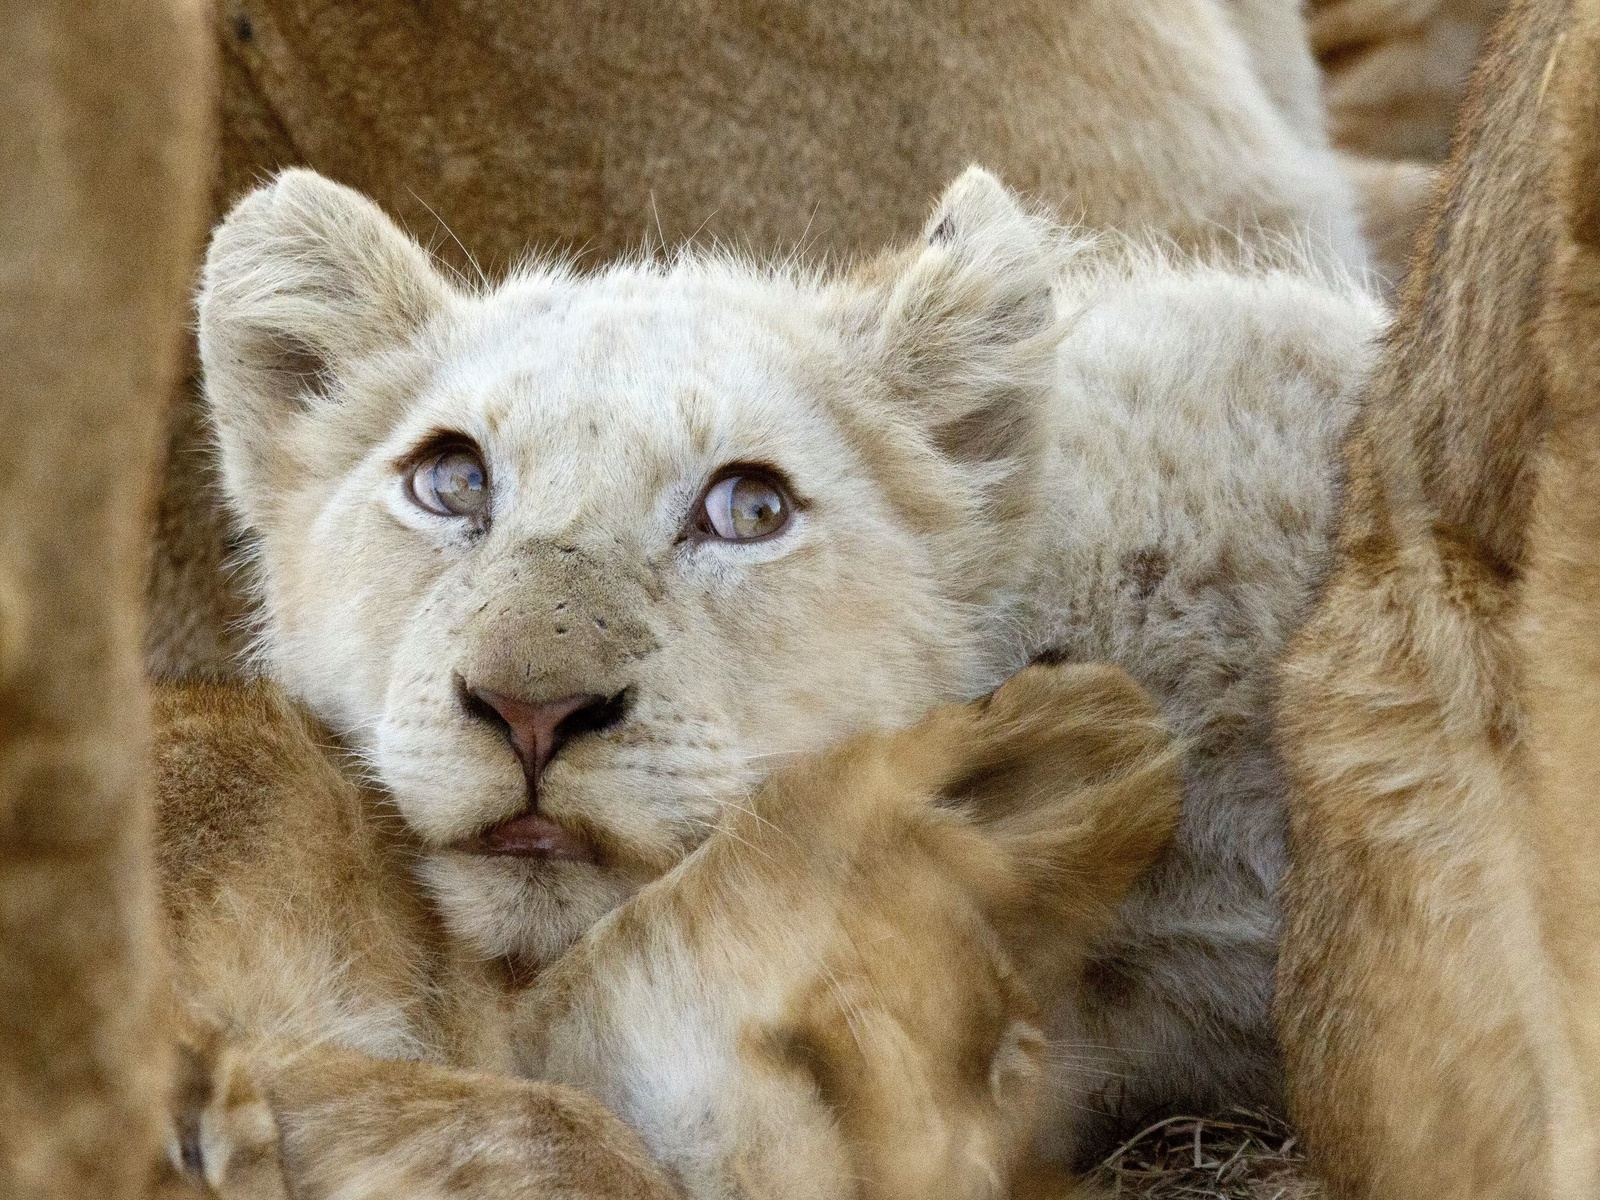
(1420, 1004)
(353, 1126)
(103, 132)
(1560, 637)
(266, 1123)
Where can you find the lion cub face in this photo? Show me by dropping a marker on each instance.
(572, 561)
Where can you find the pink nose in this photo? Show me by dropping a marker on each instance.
(537, 731)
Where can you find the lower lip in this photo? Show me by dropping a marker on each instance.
(533, 836)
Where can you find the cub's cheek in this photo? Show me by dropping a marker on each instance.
(449, 793)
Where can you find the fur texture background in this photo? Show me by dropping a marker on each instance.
(1394, 74)
(1561, 611)
(1395, 71)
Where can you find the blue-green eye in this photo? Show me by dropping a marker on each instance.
(452, 483)
(744, 508)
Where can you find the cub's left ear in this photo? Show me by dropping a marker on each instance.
(304, 281)
(967, 333)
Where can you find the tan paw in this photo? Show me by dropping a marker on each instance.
(224, 1136)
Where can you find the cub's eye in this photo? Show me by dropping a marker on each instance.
(744, 506)
(451, 482)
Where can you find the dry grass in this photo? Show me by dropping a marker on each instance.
(1238, 1156)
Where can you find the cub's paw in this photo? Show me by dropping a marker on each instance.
(224, 1139)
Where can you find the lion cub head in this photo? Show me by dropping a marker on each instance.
(834, 996)
(574, 559)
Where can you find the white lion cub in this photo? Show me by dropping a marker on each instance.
(574, 561)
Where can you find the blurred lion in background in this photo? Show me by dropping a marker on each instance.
(105, 124)
(1441, 957)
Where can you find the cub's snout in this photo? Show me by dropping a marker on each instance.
(536, 731)
(550, 625)
(548, 642)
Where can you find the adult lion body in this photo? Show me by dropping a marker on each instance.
(104, 133)
(1436, 990)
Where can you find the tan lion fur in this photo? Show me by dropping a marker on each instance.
(339, 1045)
(1436, 996)
(1561, 597)
(840, 984)
(963, 864)
(1394, 74)
(1395, 71)
(492, 129)
(104, 123)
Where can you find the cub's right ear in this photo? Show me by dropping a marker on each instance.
(303, 279)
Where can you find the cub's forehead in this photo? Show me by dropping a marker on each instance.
(585, 391)
(636, 348)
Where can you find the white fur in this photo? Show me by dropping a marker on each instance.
(1009, 439)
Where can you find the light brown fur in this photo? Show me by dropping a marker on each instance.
(1394, 74)
(938, 877)
(311, 979)
(1557, 638)
(265, 845)
(840, 984)
(103, 135)
(1435, 998)
(490, 130)
(1395, 71)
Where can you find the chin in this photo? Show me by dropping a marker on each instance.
(523, 909)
